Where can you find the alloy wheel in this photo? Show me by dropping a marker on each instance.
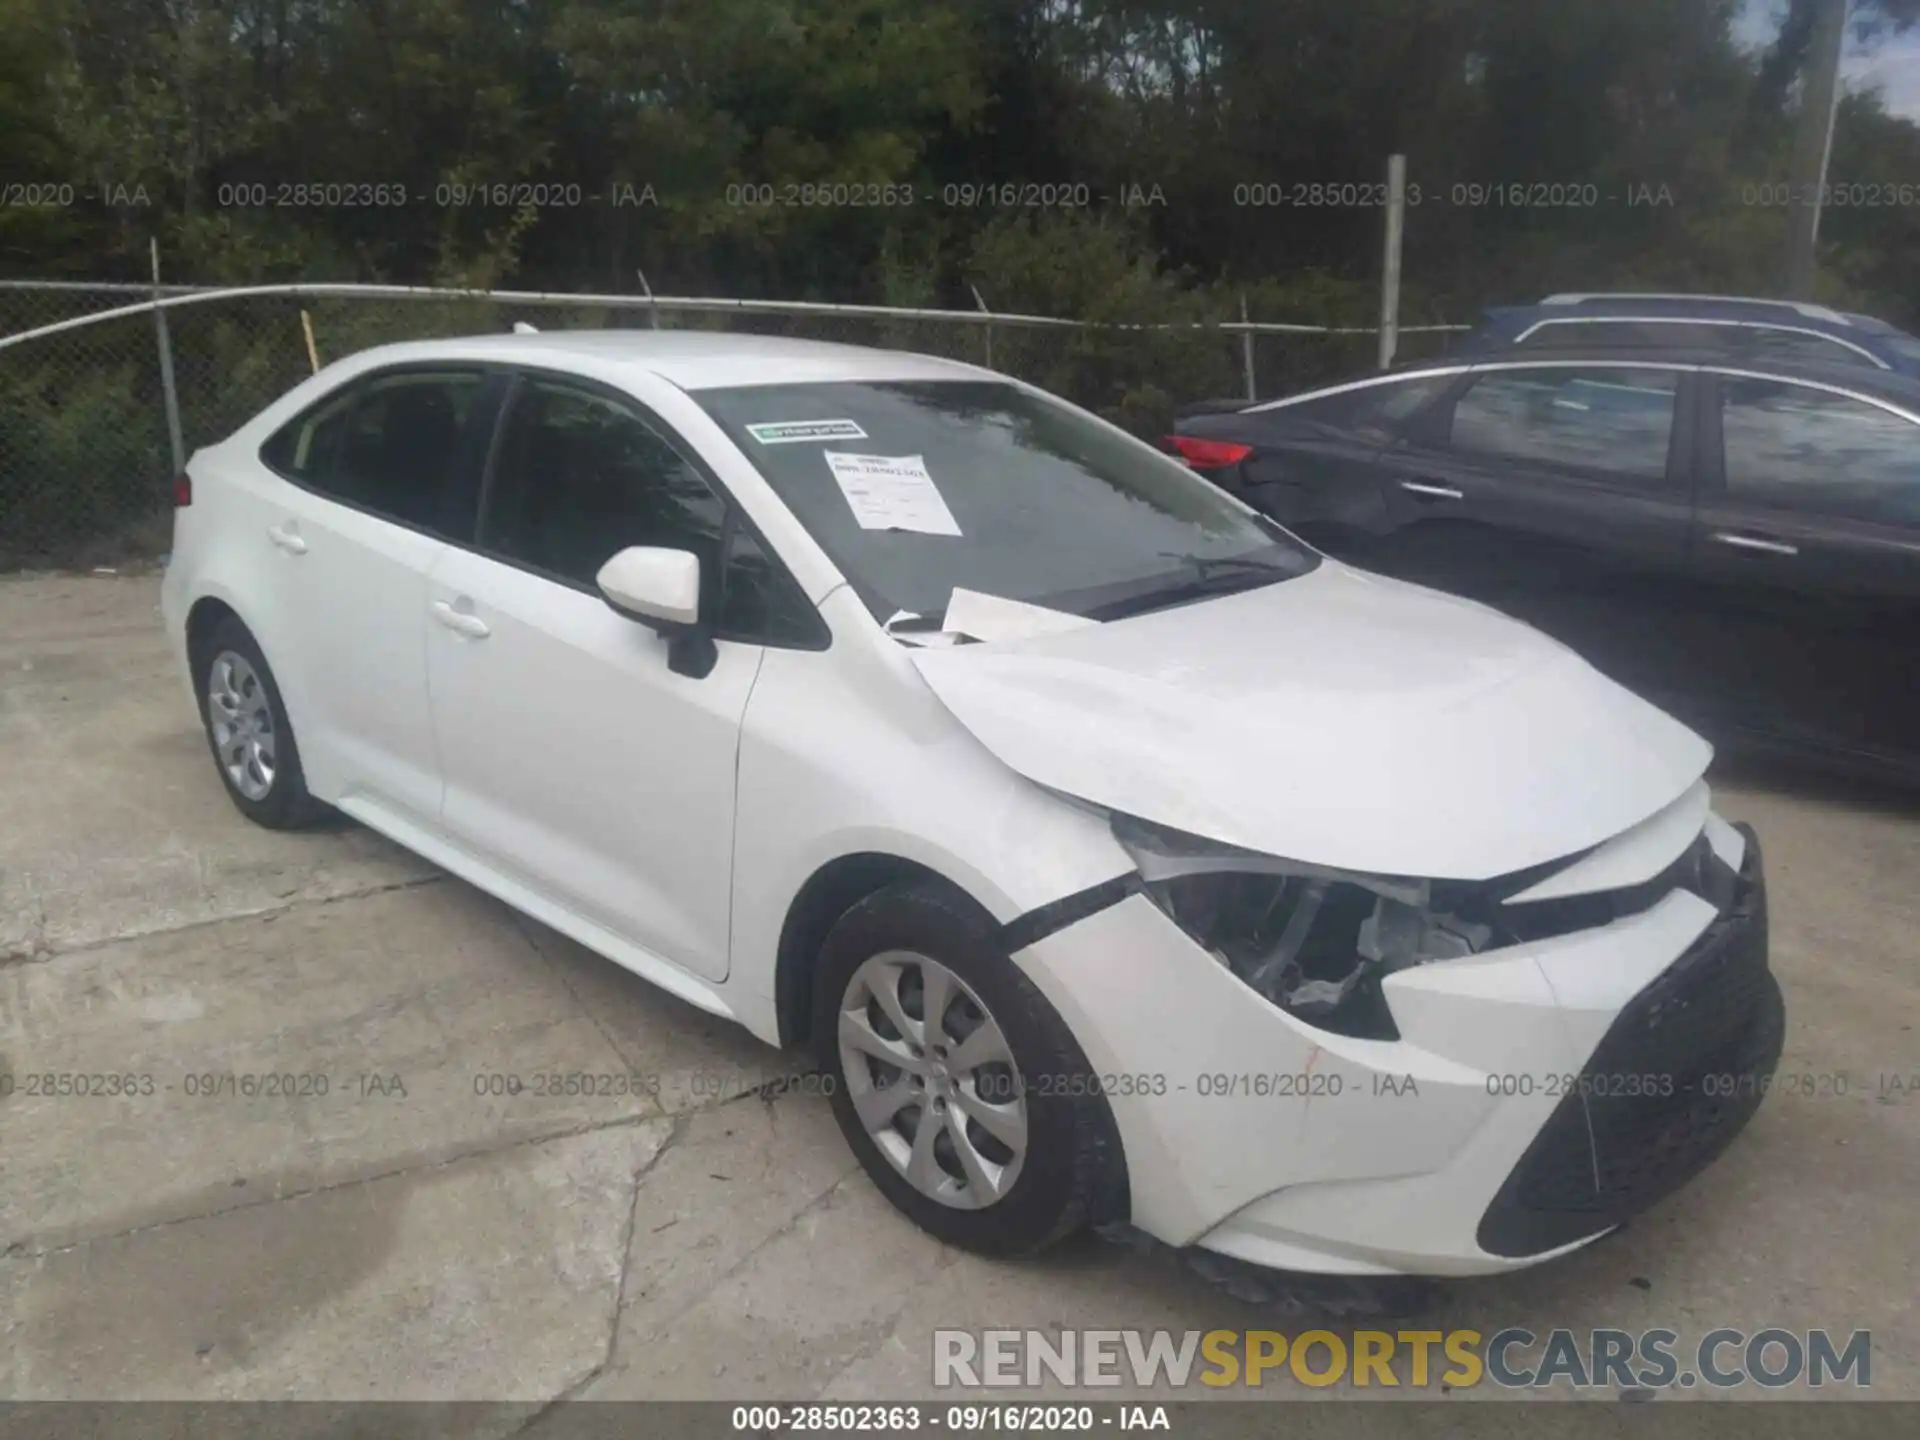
(933, 1080)
(241, 718)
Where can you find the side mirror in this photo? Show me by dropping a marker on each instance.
(661, 589)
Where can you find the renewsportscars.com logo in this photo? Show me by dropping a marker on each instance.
(1513, 1358)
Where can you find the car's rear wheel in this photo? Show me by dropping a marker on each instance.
(248, 731)
(958, 1086)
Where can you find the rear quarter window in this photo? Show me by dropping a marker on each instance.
(1379, 410)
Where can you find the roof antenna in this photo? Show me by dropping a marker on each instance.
(521, 327)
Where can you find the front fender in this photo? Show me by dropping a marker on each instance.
(845, 752)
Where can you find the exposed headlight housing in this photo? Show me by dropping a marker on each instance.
(1315, 941)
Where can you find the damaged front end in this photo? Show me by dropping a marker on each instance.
(1319, 942)
(1316, 942)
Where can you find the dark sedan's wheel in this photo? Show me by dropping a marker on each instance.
(247, 730)
(957, 1085)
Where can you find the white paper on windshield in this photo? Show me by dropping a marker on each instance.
(789, 432)
(892, 492)
(994, 617)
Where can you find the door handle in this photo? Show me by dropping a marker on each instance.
(461, 621)
(1754, 543)
(287, 538)
(1428, 488)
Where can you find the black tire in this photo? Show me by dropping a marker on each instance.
(1073, 1174)
(286, 805)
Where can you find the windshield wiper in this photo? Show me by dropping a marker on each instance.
(1212, 575)
(1207, 566)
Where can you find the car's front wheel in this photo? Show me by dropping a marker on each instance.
(958, 1086)
(248, 732)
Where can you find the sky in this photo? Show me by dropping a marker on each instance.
(1891, 65)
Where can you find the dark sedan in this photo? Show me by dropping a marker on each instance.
(1738, 542)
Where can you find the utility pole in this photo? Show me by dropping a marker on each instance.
(1813, 147)
(1390, 268)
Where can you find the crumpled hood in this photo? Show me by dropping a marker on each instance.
(1340, 718)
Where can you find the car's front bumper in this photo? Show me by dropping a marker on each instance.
(1537, 1097)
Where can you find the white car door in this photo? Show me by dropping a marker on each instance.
(378, 475)
(575, 759)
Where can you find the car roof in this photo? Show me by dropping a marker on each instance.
(690, 359)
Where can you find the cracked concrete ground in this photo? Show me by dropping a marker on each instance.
(376, 1223)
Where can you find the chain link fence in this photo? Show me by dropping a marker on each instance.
(86, 458)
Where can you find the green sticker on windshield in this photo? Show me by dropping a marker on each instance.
(787, 432)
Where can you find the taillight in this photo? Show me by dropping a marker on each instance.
(182, 490)
(1208, 454)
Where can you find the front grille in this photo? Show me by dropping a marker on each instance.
(1676, 1077)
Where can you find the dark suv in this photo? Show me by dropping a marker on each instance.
(1738, 539)
(1744, 329)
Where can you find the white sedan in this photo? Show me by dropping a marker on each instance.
(1122, 858)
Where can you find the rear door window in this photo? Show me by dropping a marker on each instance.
(396, 445)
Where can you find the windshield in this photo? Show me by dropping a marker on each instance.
(917, 487)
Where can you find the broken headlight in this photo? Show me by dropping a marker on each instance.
(1316, 942)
